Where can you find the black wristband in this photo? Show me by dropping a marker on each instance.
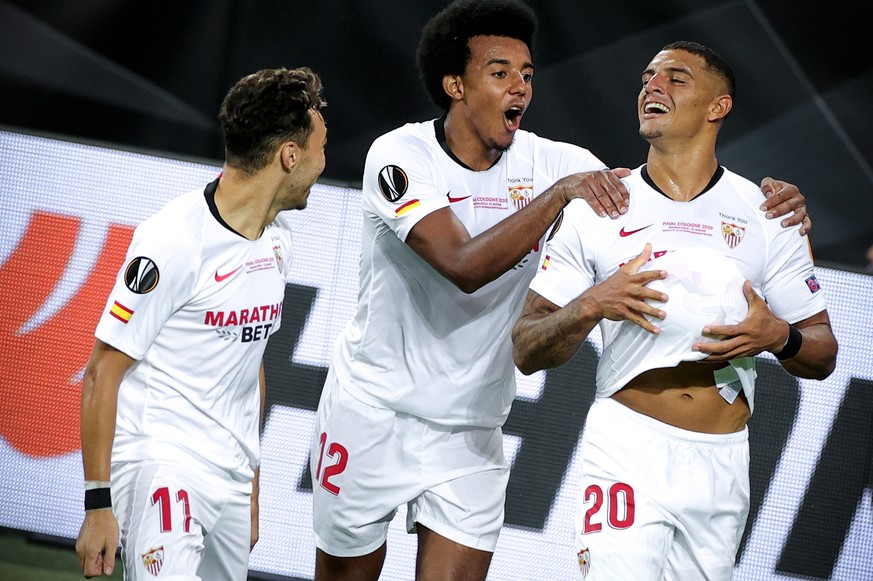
(792, 345)
(98, 498)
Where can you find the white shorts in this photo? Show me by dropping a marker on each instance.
(657, 502)
(182, 522)
(367, 461)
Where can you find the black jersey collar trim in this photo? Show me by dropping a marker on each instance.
(439, 126)
(714, 180)
(209, 194)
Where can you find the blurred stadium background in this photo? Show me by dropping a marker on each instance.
(150, 74)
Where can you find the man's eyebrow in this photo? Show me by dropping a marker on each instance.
(505, 62)
(685, 70)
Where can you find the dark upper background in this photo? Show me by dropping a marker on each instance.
(149, 75)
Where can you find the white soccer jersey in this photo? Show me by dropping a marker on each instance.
(418, 344)
(724, 222)
(194, 305)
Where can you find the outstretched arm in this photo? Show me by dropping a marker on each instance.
(470, 263)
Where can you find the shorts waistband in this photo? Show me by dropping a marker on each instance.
(618, 416)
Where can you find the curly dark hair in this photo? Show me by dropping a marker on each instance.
(444, 48)
(265, 109)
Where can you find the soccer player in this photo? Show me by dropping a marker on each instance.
(174, 389)
(455, 214)
(687, 288)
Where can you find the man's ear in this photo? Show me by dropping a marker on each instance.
(289, 153)
(721, 107)
(453, 85)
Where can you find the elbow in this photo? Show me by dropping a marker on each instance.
(819, 373)
(527, 361)
(467, 282)
(824, 370)
(822, 367)
(467, 272)
(522, 364)
(468, 287)
(89, 382)
(527, 370)
(826, 373)
(829, 361)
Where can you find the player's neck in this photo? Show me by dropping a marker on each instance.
(467, 145)
(681, 174)
(243, 203)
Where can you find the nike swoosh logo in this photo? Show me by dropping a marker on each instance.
(624, 232)
(224, 277)
(453, 200)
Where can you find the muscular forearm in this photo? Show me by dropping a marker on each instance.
(103, 375)
(547, 340)
(97, 429)
(487, 256)
(469, 263)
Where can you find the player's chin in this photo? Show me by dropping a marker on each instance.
(304, 199)
(504, 143)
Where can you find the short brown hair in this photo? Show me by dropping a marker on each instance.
(265, 109)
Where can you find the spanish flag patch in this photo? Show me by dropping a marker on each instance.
(410, 205)
(120, 312)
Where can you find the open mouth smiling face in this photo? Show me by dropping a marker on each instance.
(513, 117)
(654, 109)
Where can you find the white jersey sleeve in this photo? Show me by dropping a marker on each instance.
(567, 269)
(155, 281)
(401, 185)
(790, 278)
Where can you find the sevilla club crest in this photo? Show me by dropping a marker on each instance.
(153, 560)
(732, 233)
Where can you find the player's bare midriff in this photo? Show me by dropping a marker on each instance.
(685, 396)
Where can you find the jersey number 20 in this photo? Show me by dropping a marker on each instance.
(619, 507)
